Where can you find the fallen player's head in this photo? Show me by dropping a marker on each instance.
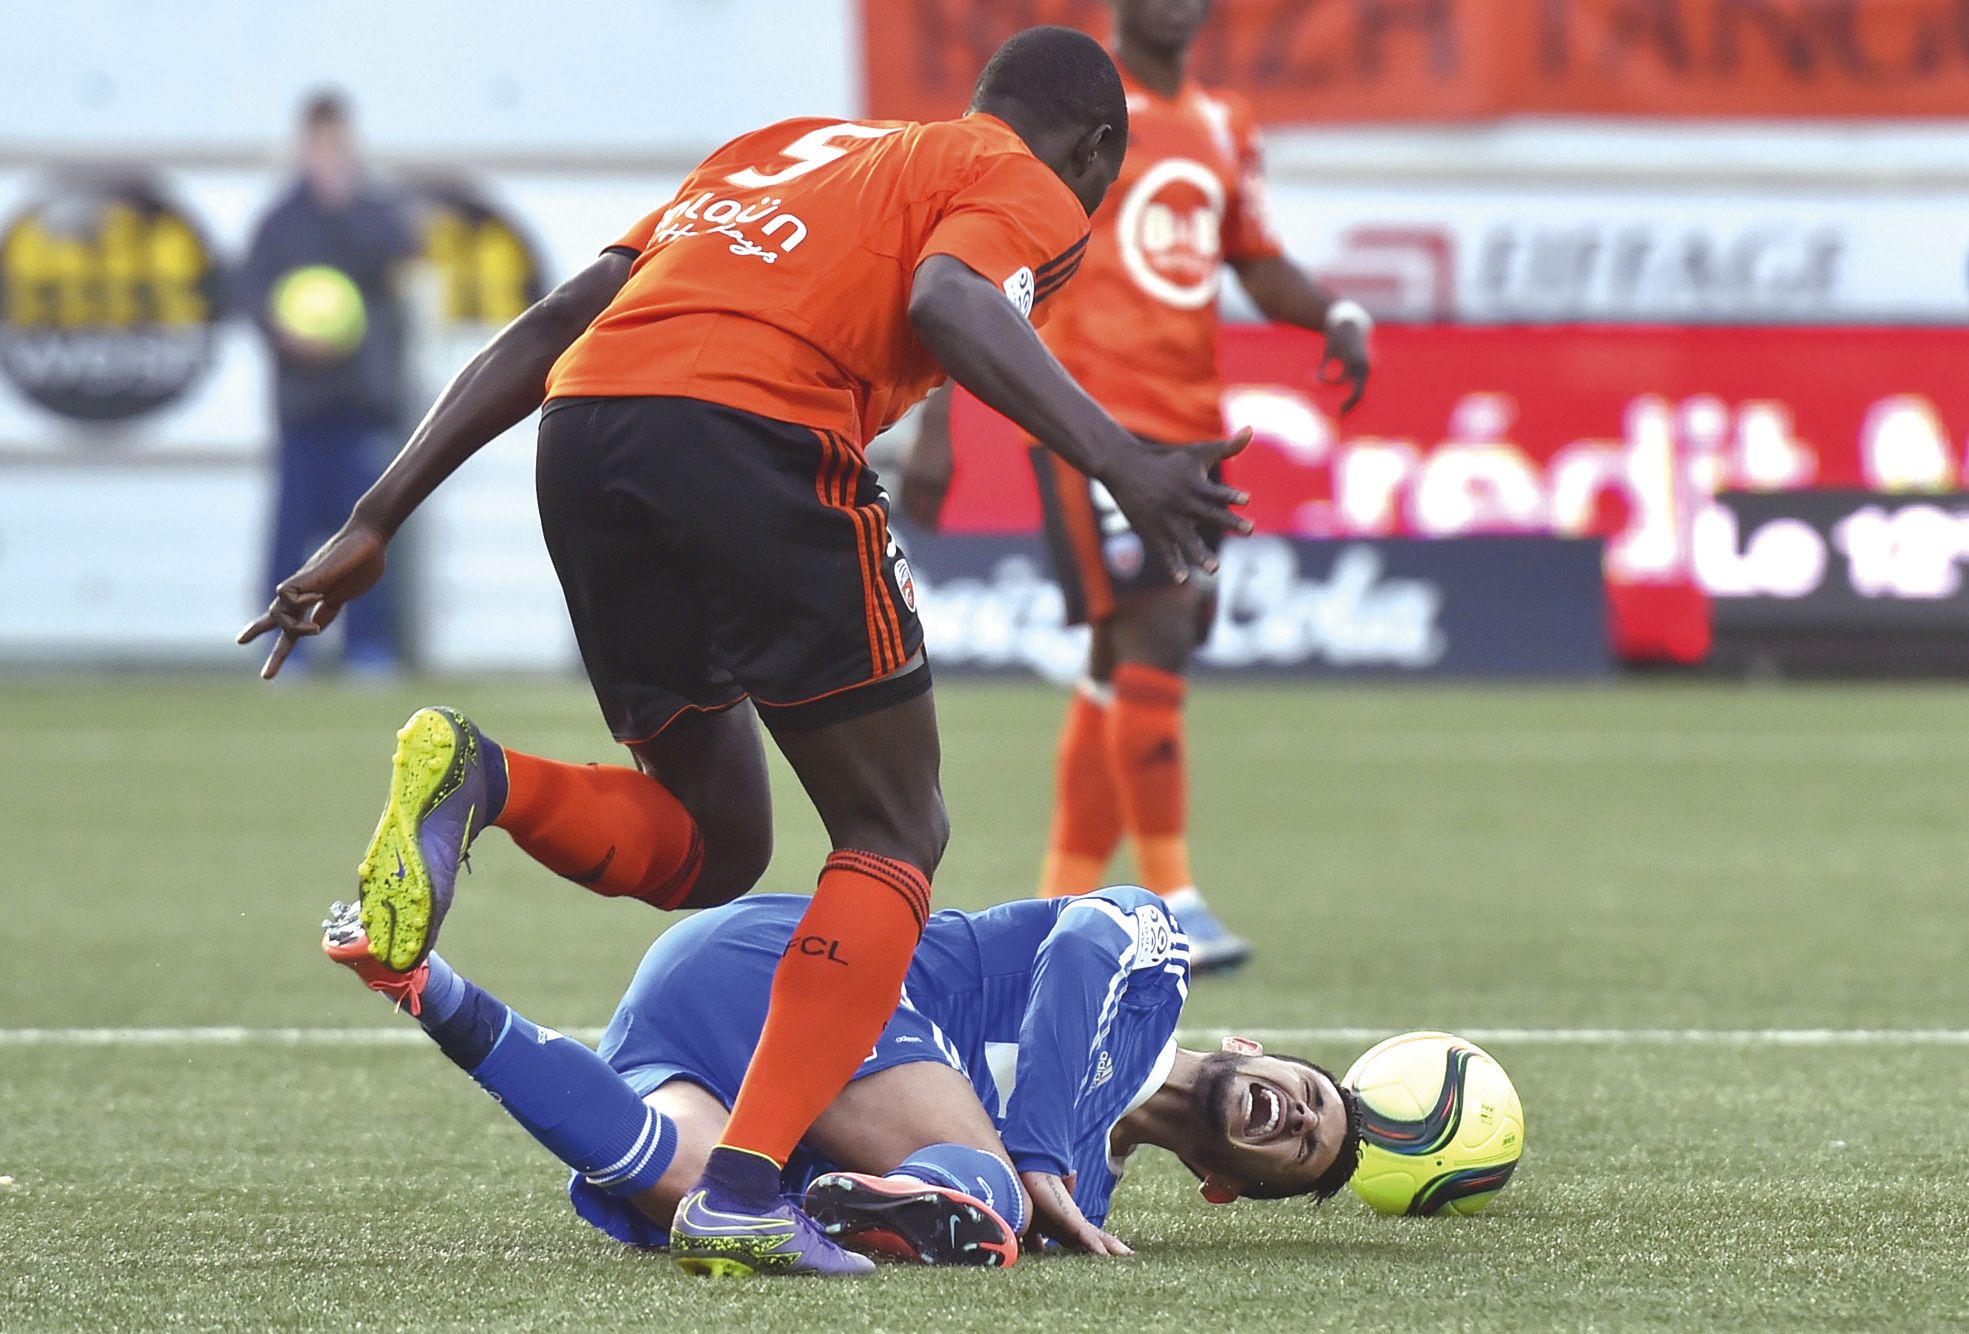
(1060, 90)
(1281, 1126)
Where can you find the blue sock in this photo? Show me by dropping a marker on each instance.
(560, 1092)
(495, 776)
(981, 1175)
(444, 992)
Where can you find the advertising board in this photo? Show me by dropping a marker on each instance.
(1303, 61)
(1627, 433)
(1473, 607)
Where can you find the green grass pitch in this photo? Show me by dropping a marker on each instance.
(1643, 857)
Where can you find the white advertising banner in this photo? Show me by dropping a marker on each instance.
(1627, 255)
(96, 416)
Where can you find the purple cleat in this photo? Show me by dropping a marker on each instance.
(437, 806)
(716, 1237)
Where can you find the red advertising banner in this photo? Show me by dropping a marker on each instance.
(1303, 61)
(1627, 433)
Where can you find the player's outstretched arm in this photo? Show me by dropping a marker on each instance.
(1115, 943)
(1056, 1216)
(493, 393)
(1286, 294)
(987, 346)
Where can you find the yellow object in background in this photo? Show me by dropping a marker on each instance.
(319, 304)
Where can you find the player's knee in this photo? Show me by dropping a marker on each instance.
(914, 832)
(737, 851)
(936, 835)
(1163, 629)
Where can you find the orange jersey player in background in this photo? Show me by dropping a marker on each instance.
(1138, 329)
(709, 384)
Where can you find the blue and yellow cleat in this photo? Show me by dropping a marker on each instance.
(437, 807)
(910, 1221)
(711, 1240)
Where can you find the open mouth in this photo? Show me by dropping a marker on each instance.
(1264, 1111)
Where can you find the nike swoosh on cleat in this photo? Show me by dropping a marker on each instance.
(400, 866)
(597, 871)
(390, 940)
(733, 1222)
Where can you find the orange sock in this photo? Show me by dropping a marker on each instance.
(1086, 807)
(835, 988)
(1145, 742)
(613, 830)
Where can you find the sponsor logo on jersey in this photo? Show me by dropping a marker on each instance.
(1170, 232)
(779, 232)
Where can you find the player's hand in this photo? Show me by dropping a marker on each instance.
(308, 600)
(1055, 1215)
(1171, 500)
(1346, 361)
(926, 477)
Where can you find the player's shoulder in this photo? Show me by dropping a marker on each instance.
(771, 138)
(1232, 105)
(1226, 113)
(1144, 920)
(967, 147)
(1126, 897)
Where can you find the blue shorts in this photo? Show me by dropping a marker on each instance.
(695, 1011)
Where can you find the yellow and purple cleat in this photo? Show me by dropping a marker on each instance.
(715, 1237)
(437, 806)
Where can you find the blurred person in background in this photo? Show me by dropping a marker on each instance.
(321, 282)
(1139, 330)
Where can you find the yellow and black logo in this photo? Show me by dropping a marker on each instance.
(109, 295)
(487, 267)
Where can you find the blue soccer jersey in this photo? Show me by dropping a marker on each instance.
(1061, 1012)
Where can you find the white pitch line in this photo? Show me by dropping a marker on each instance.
(409, 1035)
(1628, 1037)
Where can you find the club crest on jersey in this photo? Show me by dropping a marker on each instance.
(1123, 553)
(1019, 290)
(905, 583)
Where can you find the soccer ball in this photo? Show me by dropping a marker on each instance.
(1441, 1126)
(320, 305)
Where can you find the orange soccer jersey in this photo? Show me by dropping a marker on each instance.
(777, 280)
(1138, 329)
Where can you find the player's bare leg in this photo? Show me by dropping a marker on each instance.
(715, 764)
(874, 782)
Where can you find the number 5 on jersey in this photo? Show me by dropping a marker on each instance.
(810, 152)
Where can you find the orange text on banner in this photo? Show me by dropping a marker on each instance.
(1302, 61)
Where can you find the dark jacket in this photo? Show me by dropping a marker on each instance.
(368, 240)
